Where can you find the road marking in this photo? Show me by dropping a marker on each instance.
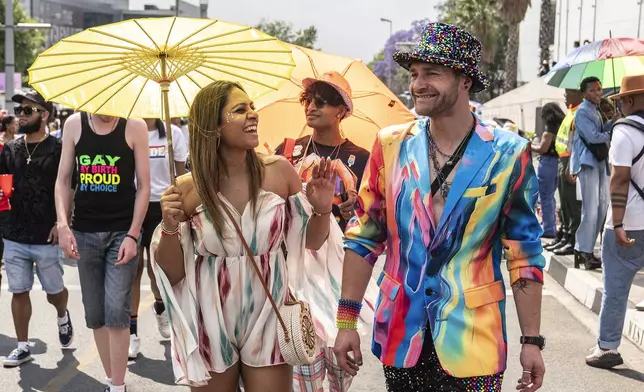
(87, 358)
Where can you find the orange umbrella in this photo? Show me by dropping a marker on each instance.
(375, 106)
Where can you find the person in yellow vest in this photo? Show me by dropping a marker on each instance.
(570, 209)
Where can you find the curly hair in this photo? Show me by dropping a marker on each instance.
(552, 116)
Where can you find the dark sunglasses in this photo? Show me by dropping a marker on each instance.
(317, 101)
(27, 110)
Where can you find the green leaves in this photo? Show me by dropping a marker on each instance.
(283, 31)
(27, 43)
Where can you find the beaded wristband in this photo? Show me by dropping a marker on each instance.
(166, 232)
(348, 314)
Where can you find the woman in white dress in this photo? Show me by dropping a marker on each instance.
(222, 322)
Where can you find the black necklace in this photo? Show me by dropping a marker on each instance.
(442, 172)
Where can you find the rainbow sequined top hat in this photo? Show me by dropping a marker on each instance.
(449, 46)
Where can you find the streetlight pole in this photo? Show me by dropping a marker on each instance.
(559, 29)
(176, 7)
(581, 12)
(391, 32)
(9, 60)
(594, 19)
(567, 17)
(639, 19)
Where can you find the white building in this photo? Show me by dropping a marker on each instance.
(598, 19)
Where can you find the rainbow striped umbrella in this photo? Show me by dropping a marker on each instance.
(609, 60)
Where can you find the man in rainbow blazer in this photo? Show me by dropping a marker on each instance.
(440, 318)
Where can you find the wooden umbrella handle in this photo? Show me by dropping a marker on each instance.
(165, 87)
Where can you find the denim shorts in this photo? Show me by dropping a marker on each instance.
(19, 262)
(106, 287)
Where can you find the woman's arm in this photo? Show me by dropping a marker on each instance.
(544, 146)
(169, 253)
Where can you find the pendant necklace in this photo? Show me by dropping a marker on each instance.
(29, 154)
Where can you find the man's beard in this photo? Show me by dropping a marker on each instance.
(445, 100)
(31, 127)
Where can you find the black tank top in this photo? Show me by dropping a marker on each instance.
(104, 199)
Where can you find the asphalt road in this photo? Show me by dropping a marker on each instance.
(568, 326)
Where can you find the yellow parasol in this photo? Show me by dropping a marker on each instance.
(375, 106)
(146, 68)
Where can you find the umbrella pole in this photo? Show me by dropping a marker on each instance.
(165, 88)
(618, 104)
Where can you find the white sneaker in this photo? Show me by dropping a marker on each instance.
(640, 306)
(604, 359)
(135, 347)
(162, 321)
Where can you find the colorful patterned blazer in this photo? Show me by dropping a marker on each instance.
(445, 277)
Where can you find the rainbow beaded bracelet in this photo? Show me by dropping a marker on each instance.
(348, 314)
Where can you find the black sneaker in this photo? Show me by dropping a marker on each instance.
(66, 332)
(17, 357)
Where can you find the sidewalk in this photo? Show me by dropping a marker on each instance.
(586, 287)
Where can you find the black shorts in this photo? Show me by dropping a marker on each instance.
(152, 219)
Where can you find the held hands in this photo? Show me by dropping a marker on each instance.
(321, 187)
(347, 341)
(67, 242)
(172, 208)
(53, 235)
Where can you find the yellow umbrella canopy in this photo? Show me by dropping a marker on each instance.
(282, 116)
(119, 69)
(154, 67)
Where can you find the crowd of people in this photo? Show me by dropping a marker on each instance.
(591, 155)
(446, 197)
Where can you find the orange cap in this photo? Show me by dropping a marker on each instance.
(338, 82)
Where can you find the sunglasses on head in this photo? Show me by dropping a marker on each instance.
(27, 110)
(317, 101)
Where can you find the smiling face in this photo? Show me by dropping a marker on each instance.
(238, 121)
(323, 106)
(435, 88)
(593, 92)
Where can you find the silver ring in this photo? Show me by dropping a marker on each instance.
(527, 372)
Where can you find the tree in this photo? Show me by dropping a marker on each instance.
(481, 18)
(27, 43)
(284, 31)
(383, 62)
(546, 29)
(512, 12)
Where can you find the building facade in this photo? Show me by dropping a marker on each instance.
(68, 17)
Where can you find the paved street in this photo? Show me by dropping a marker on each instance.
(569, 327)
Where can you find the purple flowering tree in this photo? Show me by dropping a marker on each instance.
(384, 63)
